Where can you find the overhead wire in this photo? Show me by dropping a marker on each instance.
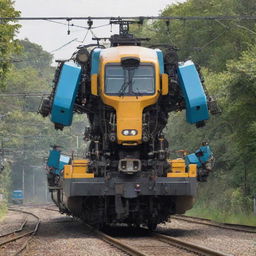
(92, 33)
(212, 40)
(182, 18)
(23, 94)
(226, 28)
(64, 45)
(217, 19)
(87, 32)
(245, 28)
(77, 26)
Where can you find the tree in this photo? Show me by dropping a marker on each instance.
(226, 52)
(8, 45)
(208, 42)
(27, 136)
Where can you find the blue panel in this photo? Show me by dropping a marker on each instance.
(63, 161)
(17, 194)
(160, 60)
(66, 92)
(95, 61)
(193, 92)
(192, 159)
(205, 155)
(201, 156)
(53, 159)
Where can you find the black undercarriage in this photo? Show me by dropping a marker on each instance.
(134, 201)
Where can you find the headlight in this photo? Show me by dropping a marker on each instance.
(126, 132)
(129, 132)
(133, 132)
(82, 55)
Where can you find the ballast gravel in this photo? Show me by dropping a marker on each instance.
(228, 241)
(60, 235)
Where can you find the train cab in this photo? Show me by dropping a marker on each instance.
(128, 80)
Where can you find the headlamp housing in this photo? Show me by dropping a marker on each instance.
(82, 56)
(129, 132)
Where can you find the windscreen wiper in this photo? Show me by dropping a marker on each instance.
(123, 88)
(128, 83)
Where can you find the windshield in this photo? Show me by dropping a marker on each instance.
(129, 81)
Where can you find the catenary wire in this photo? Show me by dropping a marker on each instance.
(182, 18)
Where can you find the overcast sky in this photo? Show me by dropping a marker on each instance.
(53, 36)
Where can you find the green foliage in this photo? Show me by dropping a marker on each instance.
(208, 42)
(35, 57)
(218, 201)
(5, 181)
(5, 184)
(8, 45)
(226, 52)
(25, 134)
(3, 209)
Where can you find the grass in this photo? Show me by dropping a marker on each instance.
(3, 210)
(217, 215)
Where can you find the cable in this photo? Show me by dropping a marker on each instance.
(77, 26)
(212, 40)
(66, 24)
(245, 28)
(101, 26)
(93, 35)
(222, 24)
(57, 22)
(84, 37)
(31, 94)
(182, 18)
(243, 17)
(64, 45)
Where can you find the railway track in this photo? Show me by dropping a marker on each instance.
(136, 241)
(197, 249)
(10, 237)
(173, 242)
(146, 243)
(185, 248)
(208, 222)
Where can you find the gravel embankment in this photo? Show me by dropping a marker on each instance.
(11, 222)
(228, 241)
(60, 235)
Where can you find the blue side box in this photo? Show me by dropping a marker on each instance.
(53, 159)
(193, 92)
(201, 156)
(95, 60)
(64, 160)
(66, 92)
(160, 57)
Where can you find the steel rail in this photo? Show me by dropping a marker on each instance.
(16, 230)
(229, 226)
(31, 233)
(189, 246)
(15, 238)
(115, 242)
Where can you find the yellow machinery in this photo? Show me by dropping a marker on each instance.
(127, 92)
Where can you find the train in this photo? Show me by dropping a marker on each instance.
(127, 92)
(17, 196)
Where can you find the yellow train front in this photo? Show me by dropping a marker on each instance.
(127, 92)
